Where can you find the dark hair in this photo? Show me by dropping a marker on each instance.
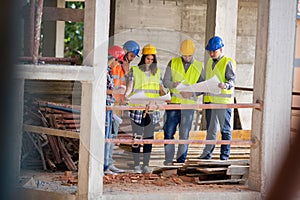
(153, 66)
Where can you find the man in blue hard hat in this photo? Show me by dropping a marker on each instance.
(224, 68)
(132, 49)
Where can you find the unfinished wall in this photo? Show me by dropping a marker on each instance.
(245, 55)
(162, 23)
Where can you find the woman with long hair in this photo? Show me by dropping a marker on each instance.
(145, 77)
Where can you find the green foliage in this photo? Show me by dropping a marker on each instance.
(74, 34)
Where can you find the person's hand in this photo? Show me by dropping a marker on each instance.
(126, 98)
(186, 94)
(222, 85)
(175, 84)
(120, 90)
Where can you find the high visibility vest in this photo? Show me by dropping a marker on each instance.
(150, 85)
(118, 75)
(190, 77)
(226, 96)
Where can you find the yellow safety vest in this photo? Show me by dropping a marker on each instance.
(226, 96)
(179, 75)
(150, 85)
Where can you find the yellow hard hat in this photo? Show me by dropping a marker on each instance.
(149, 49)
(187, 48)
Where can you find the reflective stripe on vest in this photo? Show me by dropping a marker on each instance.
(190, 77)
(150, 85)
(226, 96)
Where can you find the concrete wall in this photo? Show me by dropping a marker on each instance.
(166, 23)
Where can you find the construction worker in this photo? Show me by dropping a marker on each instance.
(119, 73)
(145, 77)
(184, 69)
(132, 49)
(115, 56)
(224, 68)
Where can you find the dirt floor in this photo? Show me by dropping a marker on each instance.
(126, 182)
(170, 179)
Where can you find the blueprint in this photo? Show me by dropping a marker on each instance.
(141, 98)
(210, 86)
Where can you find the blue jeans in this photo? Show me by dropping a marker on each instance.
(184, 119)
(114, 135)
(213, 118)
(108, 151)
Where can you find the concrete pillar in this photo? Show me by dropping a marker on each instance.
(93, 102)
(18, 124)
(221, 20)
(273, 82)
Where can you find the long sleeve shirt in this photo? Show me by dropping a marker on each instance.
(109, 86)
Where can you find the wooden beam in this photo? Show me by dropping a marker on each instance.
(218, 162)
(221, 181)
(237, 170)
(63, 14)
(201, 135)
(50, 131)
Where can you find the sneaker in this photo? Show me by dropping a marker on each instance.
(137, 169)
(115, 169)
(147, 170)
(107, 172)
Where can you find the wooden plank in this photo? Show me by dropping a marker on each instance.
(221, 181)
(50, 131)
(63, 14)
(201, 135)
(213, 170)
(218, 162)
(237, 170)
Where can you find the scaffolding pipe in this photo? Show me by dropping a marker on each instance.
(31, 28)
(37, 35)
(257, 105)
(74, 60)
(153, 141)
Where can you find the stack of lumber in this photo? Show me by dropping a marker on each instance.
(55, 151)
(217, 171)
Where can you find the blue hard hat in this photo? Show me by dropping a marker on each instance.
(132, 46)
(214, 43)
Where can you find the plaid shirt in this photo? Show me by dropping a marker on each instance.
(137, 115)
(109, 86)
